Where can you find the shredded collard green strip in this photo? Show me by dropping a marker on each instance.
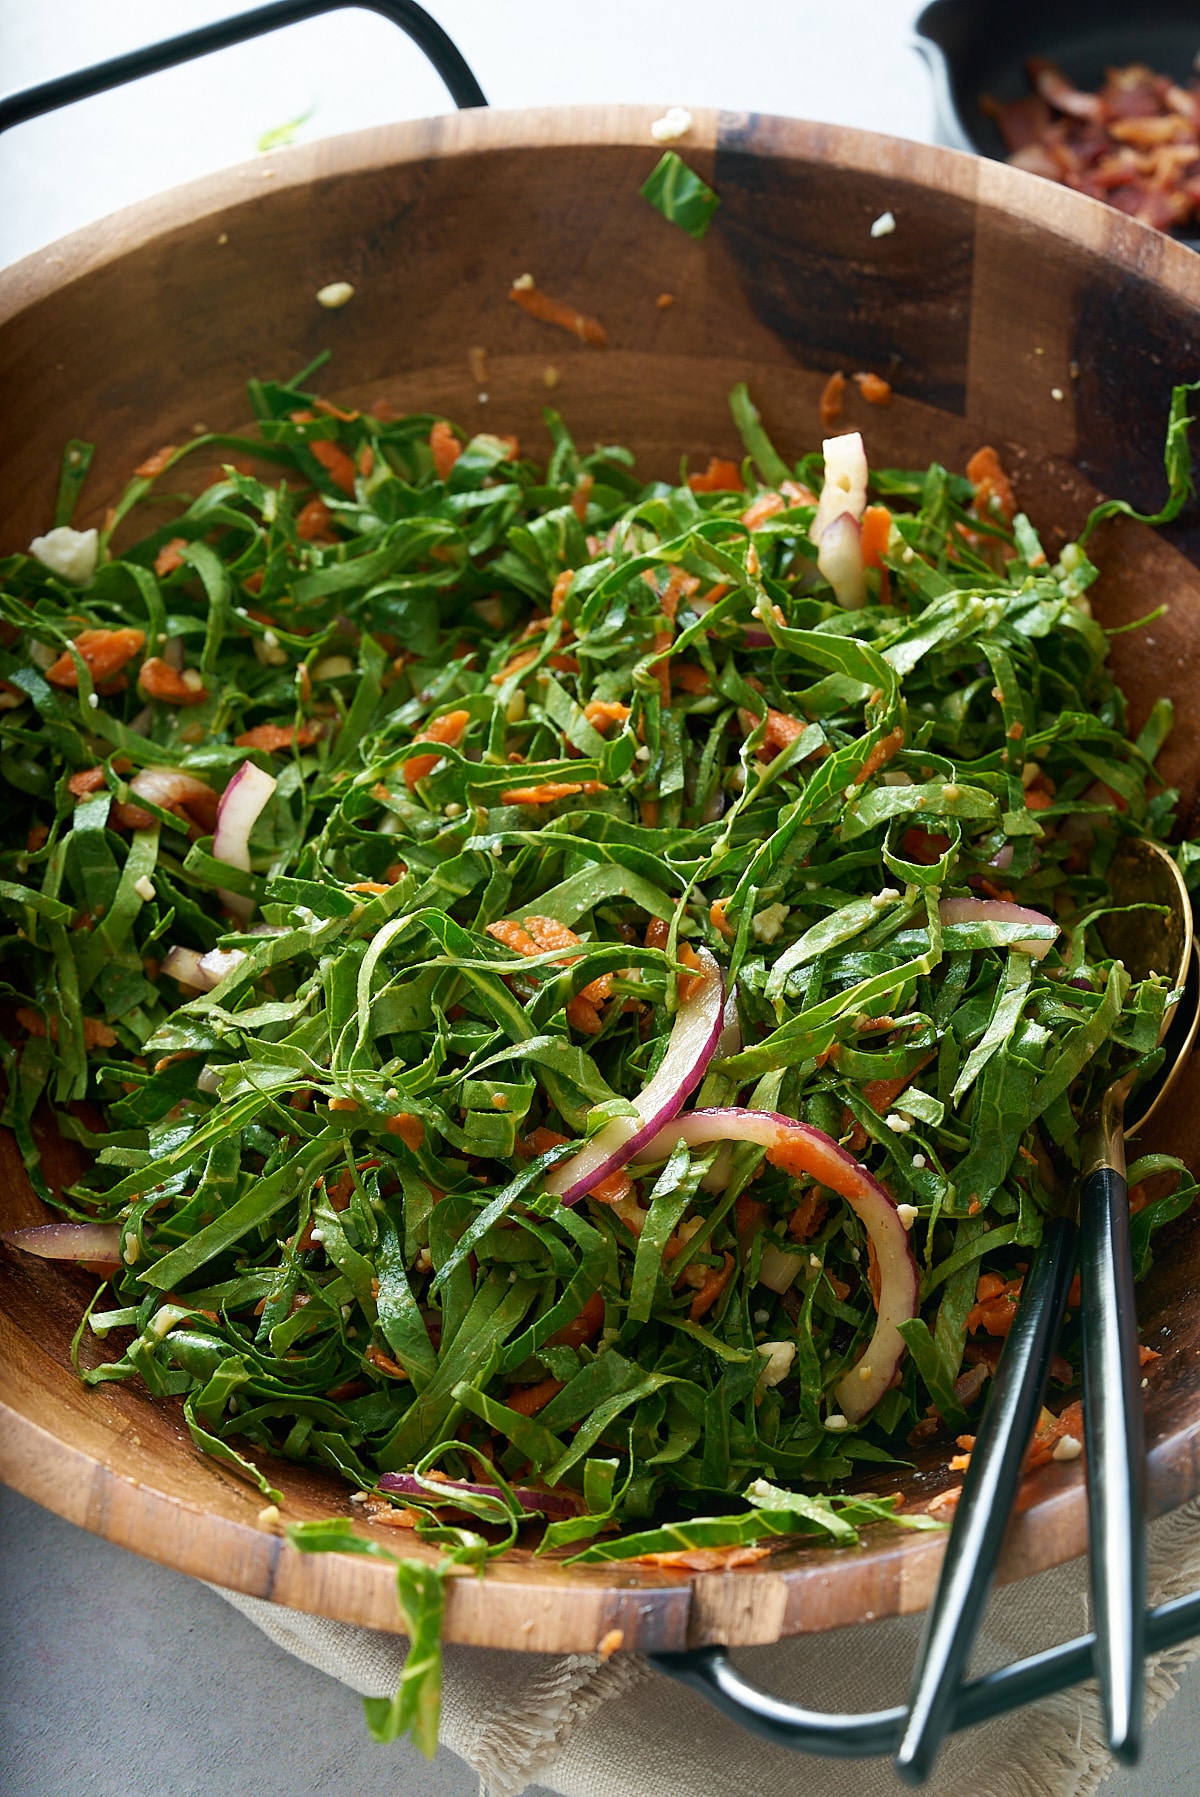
(535, 733)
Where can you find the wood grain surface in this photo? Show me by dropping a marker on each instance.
(1002, 309)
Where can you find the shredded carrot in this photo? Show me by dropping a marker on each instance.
(331, 411)
(764, 507)
(991, 482)
(721, 476)
(583, 1328)
(880, 755)
(447, 730)
(702, 1559)
(881, 1094)
(562, 587)
(336, 463)
(409, 1128)
(96, 1034)
(808, 1216)
(715, 1281)
(385, 1363)
(514, 937)
(690, 982)
(689, 678)
(549, 792)
(876, 534)
(551, 311)
(602, 712)
(524, 658)
(581, 495)
(445, 448)
(719, 921)
(833, 396)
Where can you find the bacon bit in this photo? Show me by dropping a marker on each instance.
(690, 982)
(169, 558)
(448, 730)
(104, 653)
(274, 737)
(833, 396)
(721, 476)
(715, 1281)
(385, 1363)
(876, 534)
(881, 1094)
(566, 664)
(703, 1559)
(156, 463)
(514, 937)
(349, 1388)
(880, 755)
(991, 482)
(808, 1216)
(924, 846)
(583, 1328)
(764, 507)
(945, 1500)
(551, 311)
(749, 1216)
(719, 921)
(689, 678)
(550, 792)
(314, 522)
(854, 1136)
(90, 780)
(1147, 1355)
(95, 1033)
(336, 463)
(409, 1128)
(874, 389)
(133, 817)
(613, 1190)
(562, 587)
(388, 1516)
(548, 934)
(581, 495)
(583, 1016)
(529, 1399)
(1050, 1431)
(39, 835)
(994, 1311)
(366, 461)
(840, 1289)
(158, 680)
(602, 712)
(1038, 801)
(657, 931)
(343, 1104)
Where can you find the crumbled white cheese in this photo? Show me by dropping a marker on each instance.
(865, 1373)
(896, 776)
(898, 1125)
(881, 900)
(779, 1357)
(836, 1421)
(524, 283)
(193, 679)
(951, 792)
(675, 123)
(918, 1161)
(761, 1317)
(907, 1214)
(145, 889)
(498, 850)
(336, 294)
(884, 225)
(424, 1261)
(453, 809)
(1057, 393)
(269, 655)
(768, 923)
(643, 753)
(71, 554)
(333, 667)
(1067, 1447)
(94, 701)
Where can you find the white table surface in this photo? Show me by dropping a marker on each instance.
(119, 1678)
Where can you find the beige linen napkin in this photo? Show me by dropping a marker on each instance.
(589, 1728)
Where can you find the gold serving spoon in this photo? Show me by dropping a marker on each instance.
(1148, 941)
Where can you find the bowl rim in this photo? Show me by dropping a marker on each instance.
(659, 1610)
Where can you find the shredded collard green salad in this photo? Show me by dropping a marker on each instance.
(372, 822)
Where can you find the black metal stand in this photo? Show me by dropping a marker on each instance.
(412, 19)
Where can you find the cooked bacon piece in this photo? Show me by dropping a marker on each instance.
(169, 558)
(104, 652)
(313, 522)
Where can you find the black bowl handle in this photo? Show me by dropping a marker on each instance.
(708, 1670)
(412, 19)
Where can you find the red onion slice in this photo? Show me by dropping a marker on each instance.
(550, 1503)
(973, 910)
(241, 803)
(183, 964)
(98, 1242)
(845, 486)
(800, 1149)
(840, 559)
(698, 1024)
(167, 786)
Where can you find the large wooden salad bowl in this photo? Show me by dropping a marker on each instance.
(1002, 309)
